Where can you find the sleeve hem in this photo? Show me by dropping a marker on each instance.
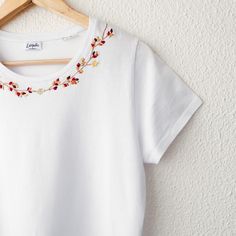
(159, 150)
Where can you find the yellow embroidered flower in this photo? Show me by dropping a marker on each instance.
(95, 63)
(83, 61)
(40, 91)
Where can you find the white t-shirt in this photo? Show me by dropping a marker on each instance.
(74, 138)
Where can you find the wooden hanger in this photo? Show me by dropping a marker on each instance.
(11, 8)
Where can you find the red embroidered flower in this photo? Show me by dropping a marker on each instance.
(110, 33)
(56, 82)
(74, 81)
(29, 90)
(95, 54)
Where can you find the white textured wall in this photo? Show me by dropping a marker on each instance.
(193, 190)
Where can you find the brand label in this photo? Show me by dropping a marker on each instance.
(34, 46)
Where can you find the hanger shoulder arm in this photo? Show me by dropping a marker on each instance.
(62, 8)
(11, 8)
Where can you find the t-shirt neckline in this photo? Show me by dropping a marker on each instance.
(68, 69)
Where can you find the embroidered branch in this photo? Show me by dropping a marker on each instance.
(91, 61)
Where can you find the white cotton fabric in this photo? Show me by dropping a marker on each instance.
(72, 160)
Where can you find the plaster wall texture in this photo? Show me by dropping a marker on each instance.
(192, 192)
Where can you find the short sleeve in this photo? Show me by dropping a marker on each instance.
(164, 103)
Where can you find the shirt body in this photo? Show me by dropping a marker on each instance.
(74, 142)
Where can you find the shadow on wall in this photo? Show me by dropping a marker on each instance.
(152, 204)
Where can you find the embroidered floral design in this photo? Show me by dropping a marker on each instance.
(69, 80)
